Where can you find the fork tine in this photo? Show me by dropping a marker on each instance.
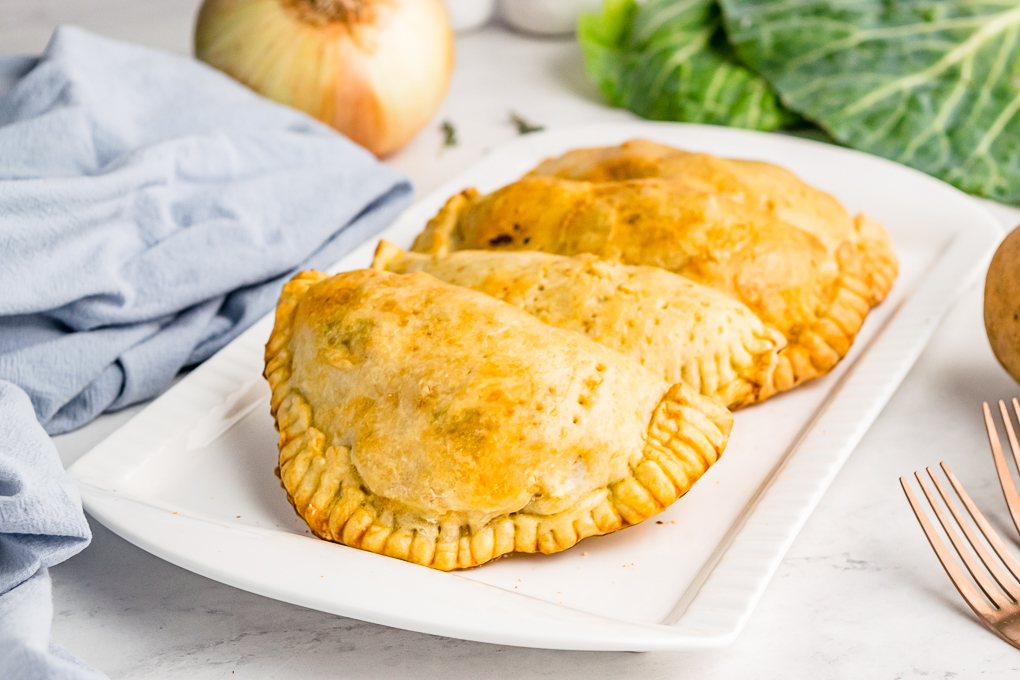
(1001, 469)
(956, 575)
(1005, 582)
(1004, 553)
(1016, 409)
(986, 585)
(1010, 434)
(1014, 508)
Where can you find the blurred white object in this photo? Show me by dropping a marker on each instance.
(466, 15)
(545, 17)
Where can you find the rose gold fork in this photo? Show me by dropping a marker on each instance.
(1001, 610)
(1001, 469)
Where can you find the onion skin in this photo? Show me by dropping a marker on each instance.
(378, 78)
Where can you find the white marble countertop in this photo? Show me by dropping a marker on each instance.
(860, 594)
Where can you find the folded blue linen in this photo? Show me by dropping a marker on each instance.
(41, 524)
(150, 209)
(26, 652)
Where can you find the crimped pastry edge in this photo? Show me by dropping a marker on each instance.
(686, 435)
(879, 264)
(440, 232)
(867, 270)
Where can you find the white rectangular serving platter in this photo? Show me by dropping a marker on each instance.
(190, 478)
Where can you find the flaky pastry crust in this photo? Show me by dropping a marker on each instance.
(756, 184)
(678, 329)
(438, 425)
(817, 298)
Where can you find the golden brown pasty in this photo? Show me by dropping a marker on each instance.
(818, 299)
(438, 425)
(762, 186)
(678, 329)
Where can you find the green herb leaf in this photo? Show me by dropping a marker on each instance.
(934, 84)
(669, 60)
(523, 126)
(449, 133)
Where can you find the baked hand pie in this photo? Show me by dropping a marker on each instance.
(438, 425)
(756, 184)
(817, 298)
(678, 329)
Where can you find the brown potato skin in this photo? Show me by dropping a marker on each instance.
(1002, 303)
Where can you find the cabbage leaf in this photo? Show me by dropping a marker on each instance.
(669, 60)
(934, 84)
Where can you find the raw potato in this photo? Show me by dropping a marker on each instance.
(1002, 303)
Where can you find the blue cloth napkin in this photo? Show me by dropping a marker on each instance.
(151, 208)
(41, 524)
